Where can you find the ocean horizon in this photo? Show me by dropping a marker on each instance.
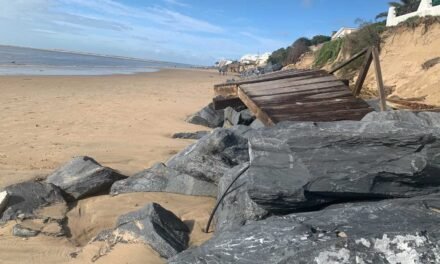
(30, 61)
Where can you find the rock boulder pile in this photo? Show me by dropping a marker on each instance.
(338, 192)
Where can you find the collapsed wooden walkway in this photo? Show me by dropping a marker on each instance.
(312, 95)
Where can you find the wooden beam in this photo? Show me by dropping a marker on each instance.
(342, 65)
(257, 111)
(363, 73)
(382, 95)
(226, 90)
(221, 102)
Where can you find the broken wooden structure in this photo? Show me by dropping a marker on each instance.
(302, 95)
(313, 95)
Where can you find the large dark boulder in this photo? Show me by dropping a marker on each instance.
(208, 117)
(25, 198)
(210, 157)
(160, 178)
(82, 177)
(389, 231)
(429, 119)
(191, 135)
(305, 166)
(243, 117)
(152, 225)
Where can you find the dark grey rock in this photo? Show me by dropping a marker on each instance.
(389, 231)
(234, 117)
(256, 124)
(26, 197)
(160, 178)
(305, 166)
(237, 207)
(21, 231)
(210, 157)
(82, 177)
(208, 117)
(430, 119)
(376, 105)
(152, 225)
(195, 135)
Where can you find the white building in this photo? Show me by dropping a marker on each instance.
(425, 9)
(259, 60)
(344, 31)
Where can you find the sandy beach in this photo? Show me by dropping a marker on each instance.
(124, 122)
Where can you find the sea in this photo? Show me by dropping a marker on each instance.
(28, 61)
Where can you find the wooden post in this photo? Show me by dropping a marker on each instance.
(382, 95)
(363, 73)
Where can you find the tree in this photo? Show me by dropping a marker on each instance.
(403, 7)
(318, 39)
(278, 57)
(298, 48)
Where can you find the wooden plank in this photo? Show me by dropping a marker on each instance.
(261, 115)
(286, 90)
(351, 114)
(310, 107)
(342, 65)
(220, 103)
(284, 81)
(270, 77)
(273, 86)
(227, 90)
(382, 95)
(309, 95)
(363, 73)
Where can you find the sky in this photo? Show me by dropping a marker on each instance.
(198, 32)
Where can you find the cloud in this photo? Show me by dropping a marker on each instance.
(176, 3)
(107, 26)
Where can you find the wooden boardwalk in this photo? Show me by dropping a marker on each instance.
(297, 96)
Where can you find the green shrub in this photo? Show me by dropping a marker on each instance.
(367, 36)
(405, 6)
(278, 57)
(328, 53)
(318, 39)
(298, 48)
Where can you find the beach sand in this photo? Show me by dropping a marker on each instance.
(124, 122)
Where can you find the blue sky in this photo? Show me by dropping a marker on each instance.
(188, 31)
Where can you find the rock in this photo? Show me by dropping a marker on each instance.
(305, 166)
(21, 231)
(152, 225)
(34, 227)
(237, 207)
(376, 105)
(430, 119)
(195, 135)
(211, 156)
(4, 196)
(256, 124)
(389, 231)
(160, 178)
(82, 177)
(25, 198)
(208, 117)
(234, 118)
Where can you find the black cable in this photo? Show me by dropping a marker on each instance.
(242, 170)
